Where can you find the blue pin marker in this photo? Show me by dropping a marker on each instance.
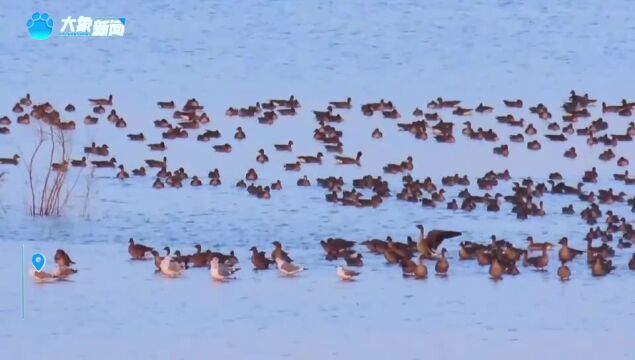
(38, 261)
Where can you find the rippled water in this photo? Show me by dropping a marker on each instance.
(233, 55)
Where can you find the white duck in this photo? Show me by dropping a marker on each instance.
(171, 268)
(346, 274)
(288, 269)
(221, 272)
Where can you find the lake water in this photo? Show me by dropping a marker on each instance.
(236, 54)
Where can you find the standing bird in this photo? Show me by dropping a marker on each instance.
(138, 251)
(279, 253)
(496, 270)
(442, 265)
(287, 268)
(220, 271)
(346, 274)
(170, 268)
(566, 253)
(62, 258)
(259, 260)
(539, 262)
(421, 270)
(430, 242)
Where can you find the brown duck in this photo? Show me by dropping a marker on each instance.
(566, 253)
(442, 264)
(259, 260)
(138, 251)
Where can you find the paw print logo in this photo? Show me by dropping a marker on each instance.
(40, 26)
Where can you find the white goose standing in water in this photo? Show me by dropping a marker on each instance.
(171, 268)
(221, 272)
(287, 268)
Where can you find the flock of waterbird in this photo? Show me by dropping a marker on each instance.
(500, 255)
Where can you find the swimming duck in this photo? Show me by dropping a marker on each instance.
(622, 162)
(225, 148)
(139, 172)
(60, 167)
(570, 153)
(534, 145)
(259, 260)
(442, 264)
(343, 160)
(531, 130)
(136, 137)
(312, 159)
(99, 109)
(121, 123)
(166, 104)
(287, 112)
(4, 130)
(342, 104)
(284, 147)
(502, 150)
(513, 103)
(354, 259)
(196, 181)
(304, 181)
(26, 101)
(240, 134)
(375, 245)
(262, 157)
(42, 276)
(288, 269)
(102, 101)
(138, 251)
(377, 134)
(90, 120)
(293, 166)
(564, 273)
(157, 163)
(277, 185)
(251, 175)
(417, 112)
(122, 174)
(105, 164)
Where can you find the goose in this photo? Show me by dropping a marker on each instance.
(342, 104)
(166, 104)
(483, 108)
(138, 251)
(311, 159)
(157, 260)
(284, 147)
(346, 274)
(170, 268)
(136, 137)
(157, 163)
(105, 164)
(343, 160)
(427, 244)
(513, 103)
(287, 268)
(220, 271)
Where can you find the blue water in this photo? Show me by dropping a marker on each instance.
(234, 54)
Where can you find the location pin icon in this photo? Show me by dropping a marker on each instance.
(38, 261)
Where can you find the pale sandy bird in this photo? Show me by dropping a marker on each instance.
(42, 276)
(346, 274)
(220, 271)
(64, 272)
(171, 268)
(288, 269)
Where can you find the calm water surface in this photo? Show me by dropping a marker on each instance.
(235, 54)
